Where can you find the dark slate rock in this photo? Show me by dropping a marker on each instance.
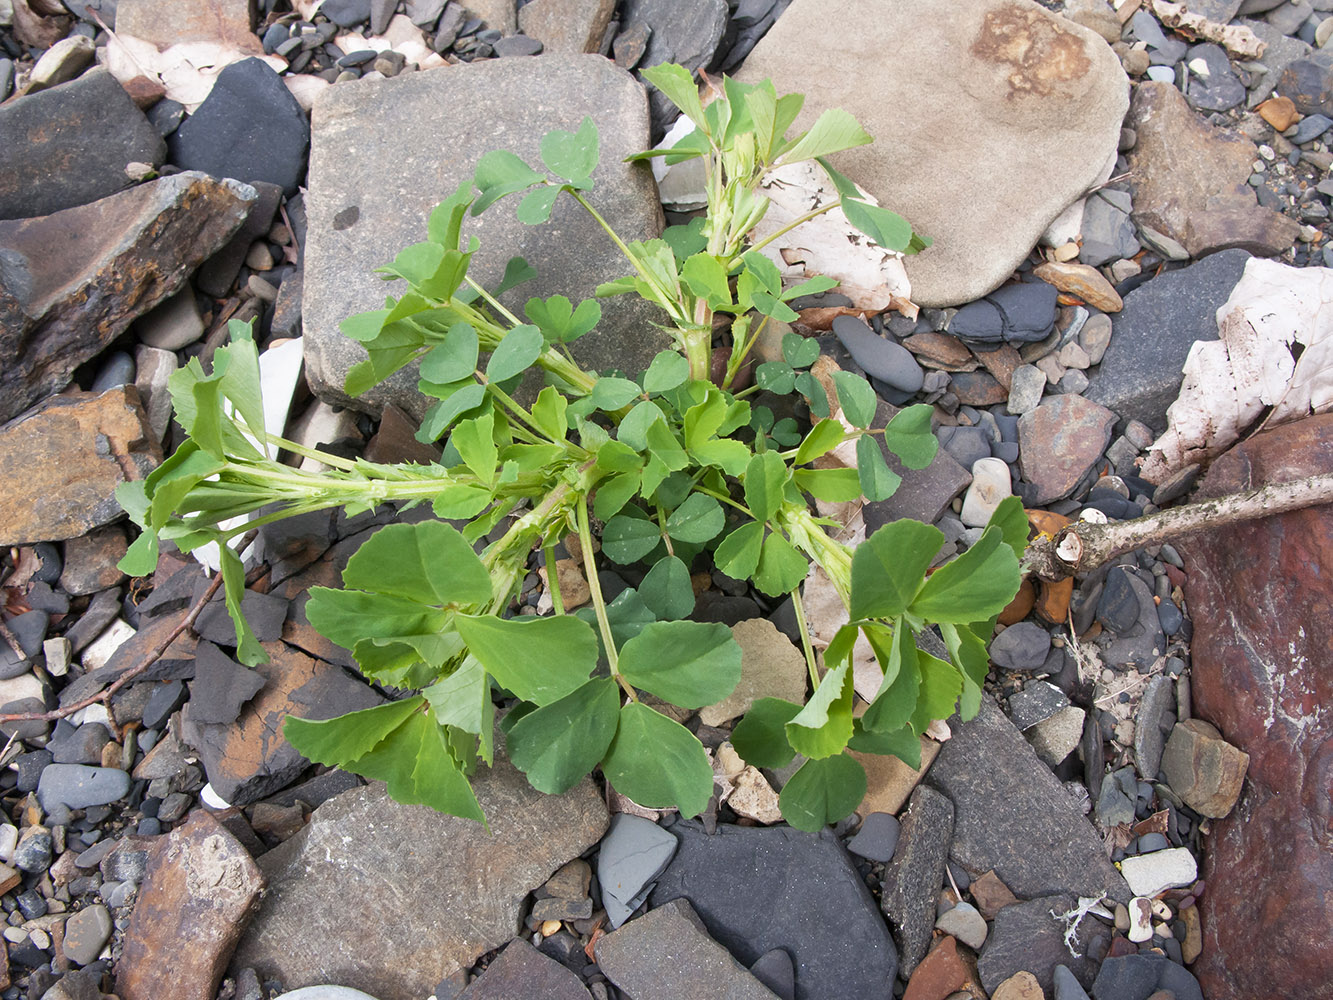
(758, 889)
(77, 787)
(1170, 617)
(914, 878)
(1021, 312)
(1023, 646)
(1036, 703)
(1137, 977)
(1067, 986)
(517, 45)
(522, 971)
(923, 494)
(1142, 642)
(1222, 90)
(166, 116)
(879, 357)
(1108, 232)
(877, 839)
(668, 953)
(1158, 699)
(680, 31)
(346, 13)
(265, 614)
(165, 699)
(216, 275)
(69, 145)
(968, 445)
(33, 853)
(774, 970)
(1115, 801)
(978, 321)
(1309, 84)
(28, 768)
(78, 744)
(1026, 937)
(1141, 372)
(1310, 128)
(1118, 607)
(1014, 815)
(29, 629)
(633, 853)
(249, 128)
(221, 686)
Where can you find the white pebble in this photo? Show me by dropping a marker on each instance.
(209, 797)
(1199, 68)
(991, 483)
(40, 938)
(1153, 873)
(1140, 919)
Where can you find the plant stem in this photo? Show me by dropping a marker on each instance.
(494, 302)
(553, 579)
(599, 605)
(816, 213)
(806, 646)
(664, 296)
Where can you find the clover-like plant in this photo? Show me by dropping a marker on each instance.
(676, 468)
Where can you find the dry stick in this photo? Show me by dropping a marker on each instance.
(154, 655)
(1082, 546)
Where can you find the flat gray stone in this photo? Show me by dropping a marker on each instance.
(633, 853)
(77, 786)
(364, 206)
(913, 880)
(1027, 937)
(363, 856)
(522, 971)
(977, 97)
(679, 31)
(1014, 816)
(1280, 51)
(667, 954)
(69, 146)
(923, 494)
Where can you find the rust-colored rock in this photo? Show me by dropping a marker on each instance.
(61, 462)
(945, 971)
(73, 281)
(1261, 597)
(1190, 180)
(1001, 363)
(249, 758)
(200, 890)
(977, 389)
(1280, 112)
(990, 895)
(1204, 769)
(1059, 443)
(1082, 280)
(1020, 606)
(1053, 600)
(939, 350)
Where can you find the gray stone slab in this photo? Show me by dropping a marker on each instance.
(1141, 372)
(335, 886)
(757, 889)
(384, 153)
(912, 881)
(923, 494)
(1030, 937)
(679, 31)
(1013, 815)
(667, 954)
(522, 971)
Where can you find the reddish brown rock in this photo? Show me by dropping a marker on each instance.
(1261, 597)
(1083, 281)
(73, 281)
(1190, 180)
(945, 971)
(61, 462)
(1059, 443)
(250, 759)
(990, 895)
(939, 350)
(977, 389)
(200, 890)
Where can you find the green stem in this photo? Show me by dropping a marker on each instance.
(494, 302)
(664, 296)
(599, 605)
(699, 351)
(794, 223)
(553, 579)
(805, 638)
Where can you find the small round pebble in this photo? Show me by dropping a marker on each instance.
(877, 839)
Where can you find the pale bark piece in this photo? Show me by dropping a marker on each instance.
(1237, 39)
(364, 208)
(199, 892)
(1275, 354)
(62, 461)
(73, 281)
(978, 98)
(335, 887)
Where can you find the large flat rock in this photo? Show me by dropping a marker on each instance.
(1012, 815)
(73, 281)
(366, 203)
(391, 899)
(759, 889)
(972, 105)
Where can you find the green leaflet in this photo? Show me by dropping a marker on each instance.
(666, 590)
(690, 664)
(977, 585)
(822, 792)
(761, 737)
(823, 727)
(890, 567)
(781, 568)
(557, 744)
(539, 659)
(658, 763)
(430, 563)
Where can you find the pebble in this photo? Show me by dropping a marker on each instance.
(1021, 647)
(1067, 986)
(1150, 874)
(1140, 920)
(33, 853)
(1025, 389)
(77, 786)
(877, 839)
(883, 359)
(85, 934)
(965, 923)
(516, 45)
(991, 484)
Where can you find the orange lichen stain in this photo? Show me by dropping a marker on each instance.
(1041, 53)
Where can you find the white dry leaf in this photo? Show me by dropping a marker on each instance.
(187, 70)
(872, 277)
(1254, 367)
(1237, 39)
(683, 186)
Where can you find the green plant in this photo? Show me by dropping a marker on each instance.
(672, 463)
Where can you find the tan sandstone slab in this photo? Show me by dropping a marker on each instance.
(990, 119)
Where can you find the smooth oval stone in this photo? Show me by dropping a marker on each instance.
(991, 484)
(78, 786)
(118, 370)
(325, 993)
(885, 360)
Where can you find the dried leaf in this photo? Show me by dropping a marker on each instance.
(872, 277)
(1230, 382)
(32, 28)
(1237, 39)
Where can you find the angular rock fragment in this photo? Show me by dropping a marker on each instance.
(226, 22)
(522, 971)
(1202, 768)
(62, 461)
(1060, 441)
(331, 885)
(916, 874)
(72, 282)
(201, 887)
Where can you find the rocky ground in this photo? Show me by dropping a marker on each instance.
(161, 173)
